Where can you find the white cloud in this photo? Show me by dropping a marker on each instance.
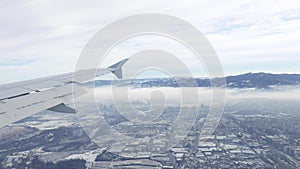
(41, 37)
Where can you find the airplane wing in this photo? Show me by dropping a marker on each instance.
(23, 99)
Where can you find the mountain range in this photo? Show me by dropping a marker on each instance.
(249, 80)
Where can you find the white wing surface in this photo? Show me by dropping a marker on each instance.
(23, 99)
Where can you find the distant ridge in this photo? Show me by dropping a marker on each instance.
(248, 80)
(262, 80)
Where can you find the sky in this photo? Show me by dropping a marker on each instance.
(43, 37)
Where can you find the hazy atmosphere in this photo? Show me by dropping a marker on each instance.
(40, 38)
(149, 84)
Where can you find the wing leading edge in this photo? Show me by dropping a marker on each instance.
(23, 99)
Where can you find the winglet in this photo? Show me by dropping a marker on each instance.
(116, 69)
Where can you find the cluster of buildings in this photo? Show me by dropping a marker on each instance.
(236, 143)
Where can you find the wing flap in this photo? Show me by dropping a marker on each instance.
(62, 108)
(13, 110)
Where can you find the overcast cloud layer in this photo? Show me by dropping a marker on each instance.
(40, 37)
